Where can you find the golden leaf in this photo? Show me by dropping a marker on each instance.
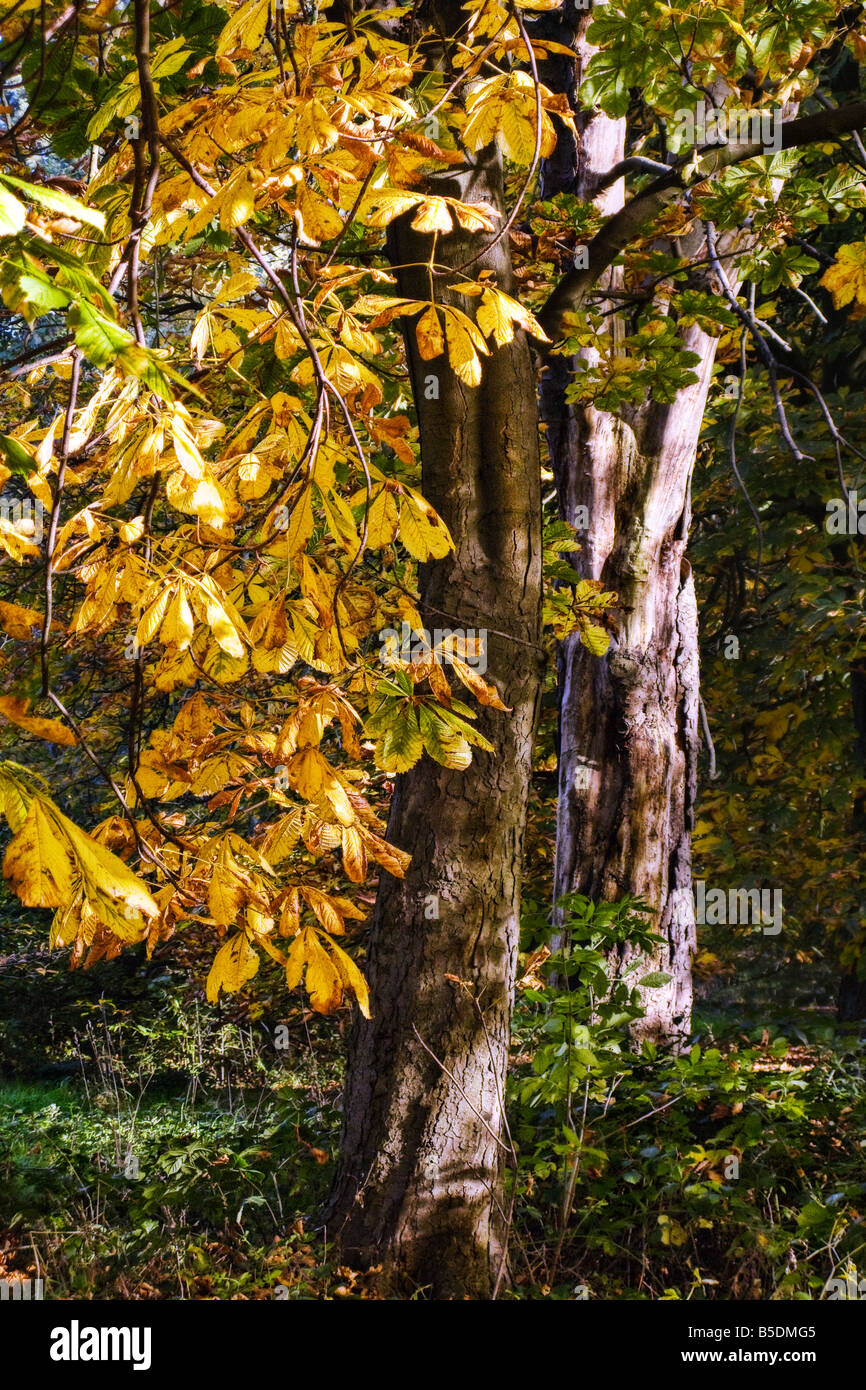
(485, 693)
(235, 962)
(354, 854)
(423, 538)
(464, 345)
(18, 621)
(104, 873)
(428, 332)
(37, 861)
(432, 216)
(846, 280)
(226, 895)
(15, 710)
(382, 520)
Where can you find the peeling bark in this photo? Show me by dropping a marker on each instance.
(628, 721)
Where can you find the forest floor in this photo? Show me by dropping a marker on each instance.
(151, 1147)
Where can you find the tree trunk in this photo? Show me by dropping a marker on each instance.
(420, 1183)
(851, 1001)
(628, 721)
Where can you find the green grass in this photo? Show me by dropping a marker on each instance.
(153, 1197)
(187, 1157)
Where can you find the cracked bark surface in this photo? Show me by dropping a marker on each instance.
(420, 1181)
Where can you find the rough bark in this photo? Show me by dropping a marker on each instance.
(628, 721)
(851, 1001)
(420, 1182)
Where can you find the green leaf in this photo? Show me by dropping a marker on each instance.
(18, 458)
(98, 337)
(41, 293)
(594, 638)
(57, 201)
(402, 745)
(655, 979)
(75, 274)
(121, 102)
(170, 57)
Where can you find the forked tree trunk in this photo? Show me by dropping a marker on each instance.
(420, 1183)
(628, 721)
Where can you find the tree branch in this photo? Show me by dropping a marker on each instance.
(624, 226)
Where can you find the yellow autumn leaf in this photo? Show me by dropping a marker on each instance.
(484, 692)
(424, 538)
(672, 1233)
(185, 446)
(151, 619)
(178, 624)
(282, 835)
(428, 332)
(475, 217)
(465, 343)
(323, 982)
(446, 745)
(18, 622)
(237, 203)
(16, 545)
(245, 29)
(296, 521)
(315, 134)
(317, 220)
(226, 895)
(382, 206)
(290, 914)
(131, 531)
(594, 638)
(382, 520)
(497, 313)
(15, 794)
(396, 861)
(354, 854)
(236, 287)
(235, 962)
(221, 619)
(194, 720)
(15, 710)
(351, 976)
(325, 908)
(504, 109)
(37, 862)
(105, 874)
(312, 777)
(846, 280)
(432, 216)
